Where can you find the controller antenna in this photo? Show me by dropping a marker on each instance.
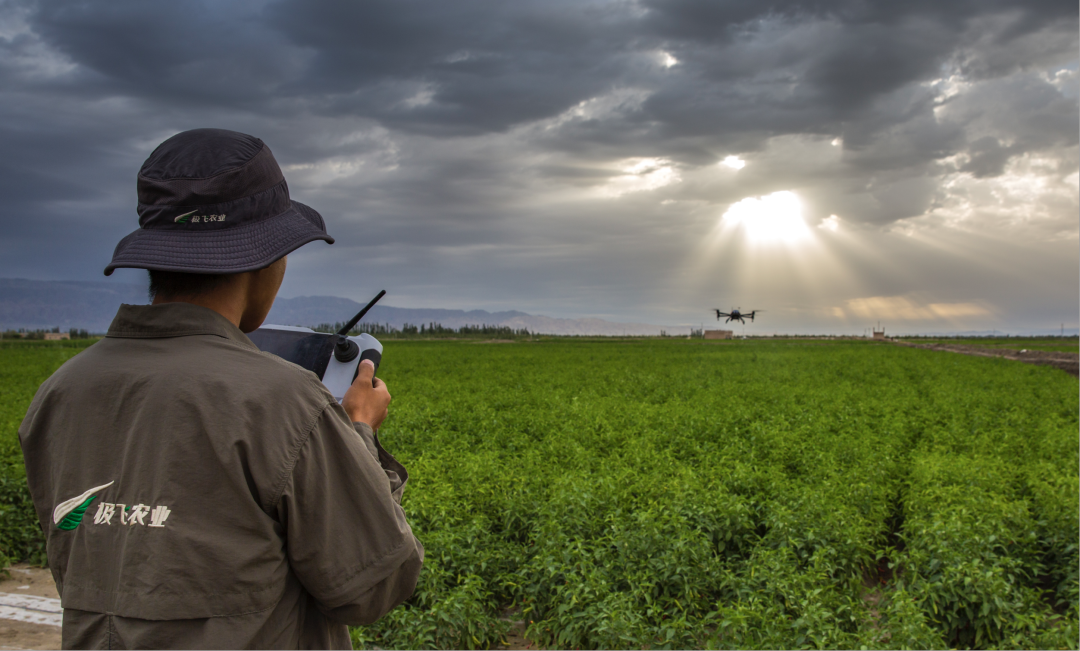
(346, 350)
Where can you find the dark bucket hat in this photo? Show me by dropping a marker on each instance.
(214, 202)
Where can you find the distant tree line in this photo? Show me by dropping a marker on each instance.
(408, 330)
(25, 333)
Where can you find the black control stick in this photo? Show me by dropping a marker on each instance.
(346, 350)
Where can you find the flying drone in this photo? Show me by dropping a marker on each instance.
(736, 315)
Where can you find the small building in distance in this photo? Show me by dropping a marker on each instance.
(719, 334)
(56, 336)
(878, 334)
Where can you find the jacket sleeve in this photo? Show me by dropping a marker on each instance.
(347, 539)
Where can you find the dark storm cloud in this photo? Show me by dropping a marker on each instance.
(988, 157)
(176, 55)
(452, 68)
(445, 138)
(467, 67)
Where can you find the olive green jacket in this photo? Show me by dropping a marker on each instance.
(196, 492)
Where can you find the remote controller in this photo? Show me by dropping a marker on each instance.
(335, 358)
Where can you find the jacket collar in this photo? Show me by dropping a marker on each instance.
(173, 320)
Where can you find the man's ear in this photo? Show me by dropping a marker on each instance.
(262, 289)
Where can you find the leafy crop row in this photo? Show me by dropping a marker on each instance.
(991, 517)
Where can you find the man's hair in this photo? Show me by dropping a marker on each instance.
(176, 284)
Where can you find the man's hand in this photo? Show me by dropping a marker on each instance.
(365, 403)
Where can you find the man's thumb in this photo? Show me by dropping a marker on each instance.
(366, 371)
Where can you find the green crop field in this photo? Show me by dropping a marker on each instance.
(740, 494)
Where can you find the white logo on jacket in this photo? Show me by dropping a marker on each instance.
(130, 515)
(68, 515)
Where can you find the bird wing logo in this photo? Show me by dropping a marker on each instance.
(183, 219)
(69, 514)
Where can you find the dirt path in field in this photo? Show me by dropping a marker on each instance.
(515, 639)
(1068, 362)
(29, 583)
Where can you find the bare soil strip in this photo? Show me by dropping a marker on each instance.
(31, 609)
(20, 635)
(1068, 362)
(30, 613)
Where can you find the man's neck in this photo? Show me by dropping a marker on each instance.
(229, 301)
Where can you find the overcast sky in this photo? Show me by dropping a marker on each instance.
(833, 163)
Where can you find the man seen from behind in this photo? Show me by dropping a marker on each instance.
(194, 491)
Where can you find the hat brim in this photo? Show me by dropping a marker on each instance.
(224, 251)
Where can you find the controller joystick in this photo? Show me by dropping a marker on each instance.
(346, 349)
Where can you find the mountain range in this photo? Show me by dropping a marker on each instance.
(91, 305)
